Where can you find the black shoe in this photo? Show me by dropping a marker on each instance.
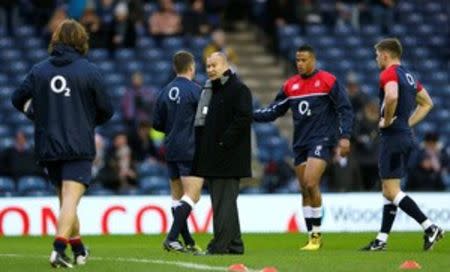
(173, 246)
(432, 235)
(375, 245)
(81, 258)
(60, 260)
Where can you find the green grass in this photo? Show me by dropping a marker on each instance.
(340, 253)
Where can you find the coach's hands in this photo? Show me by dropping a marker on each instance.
(344, 147)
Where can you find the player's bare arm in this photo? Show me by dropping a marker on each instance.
(424, 105)
(390, 104)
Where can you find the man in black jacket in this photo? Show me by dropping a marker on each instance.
(222, 154)
(65, 97)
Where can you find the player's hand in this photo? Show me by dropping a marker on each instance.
(344, 147)
(382, 123)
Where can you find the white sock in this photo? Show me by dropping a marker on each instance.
(382, 236)
(316, 212)
(426, 224)
(316, 229)
(188, 200)
(398, 198)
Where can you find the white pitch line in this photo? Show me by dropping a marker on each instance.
(195, 266)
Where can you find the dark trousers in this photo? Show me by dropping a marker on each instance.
(227, 231)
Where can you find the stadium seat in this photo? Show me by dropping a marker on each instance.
(171, 43)
(145, 43)
(288, 31)
(6, 185)
(198, 42)
(316, 30)
(100, 192)
(6, 43)
(124, 54)
(106, 66)
(5, 143)
(370, 30)
(264, 130)
(25, 31)
(150, 184)
(98, 54)
(253, 190)
(151, 169)
(150, 55)
(31, 43)
(39, 193)
(36, 55)
(31, 183)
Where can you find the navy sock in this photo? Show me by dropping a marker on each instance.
(188, 240)
(316, 222)
(60, 244)
(410, 207)
(309, 224)
(77, 246)
(180, 214)
(389, 212)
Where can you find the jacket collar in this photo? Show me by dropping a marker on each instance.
(221, 81)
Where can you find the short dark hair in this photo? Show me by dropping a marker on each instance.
(390, 45)
(182, 60)
(306, 48)
(71, 33)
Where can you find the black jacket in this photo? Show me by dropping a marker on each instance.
(223, 144)
(68, 100)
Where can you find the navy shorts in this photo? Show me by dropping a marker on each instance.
(395, 151)
(179, 169)
(79, 171)
(315, 151)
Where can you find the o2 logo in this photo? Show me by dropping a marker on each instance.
(58, 84)
(174, 95)
(410, 79)
(303, 108)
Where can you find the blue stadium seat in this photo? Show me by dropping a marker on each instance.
(98, 54)
(198, 42)
(151, 169)
(171, 43)
(162, 191)
(253, 190)
(6, 185)
(288, 31)
(31, 43)
(5, 143)
(316, 30)
(149, 184)
(3, 81)
(370, 30)
(10, 54)
(405, 7)
(31, 183)
(17, 118)
(6, 43)
(131, 66)
(263, 130)
(114, 79)
(150, 55)
(124, 55)
(106, 66)
(398, 30)
(18, 67)
(145, 43)
(36, 55)
(24, 31)
(5, 91)
(100, 192)
(39, 193)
